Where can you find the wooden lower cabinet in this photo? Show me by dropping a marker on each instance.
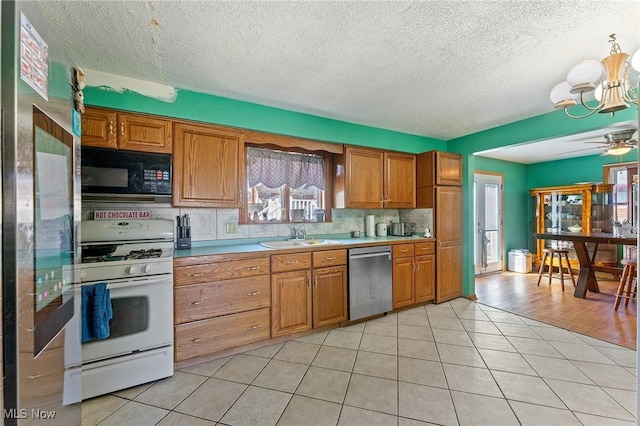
(425, 278)
(449, 271)
(220, 302)
(199, 301)
(213, 335)
(303, 299)
(329, 295)
(413, 274)
(402, 273)
(290, 302)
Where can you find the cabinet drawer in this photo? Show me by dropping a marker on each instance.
(329, 258)
(200, 301)
(220, 271)
(403, 250)
(214, 335)
(290, 262)
(425, 248)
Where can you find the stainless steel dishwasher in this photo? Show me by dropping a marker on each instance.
(370, 291)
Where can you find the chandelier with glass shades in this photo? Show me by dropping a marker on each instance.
(607, 80)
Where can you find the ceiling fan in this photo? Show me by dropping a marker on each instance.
(619, 143)
(616, 143)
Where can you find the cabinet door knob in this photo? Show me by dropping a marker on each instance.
(330, 258)
(252, 268)
(197, 274)
(110, 128)
(253, 327)
(122, 128)
(292, 262)
(197, 302)
(254, 293)
(199, 339)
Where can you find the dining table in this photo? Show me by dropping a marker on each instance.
(588, 268)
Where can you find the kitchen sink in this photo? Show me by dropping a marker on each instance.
(297, 243)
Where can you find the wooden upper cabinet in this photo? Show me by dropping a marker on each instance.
(439, 168)
(374, 179)
(400, 180)
(363, 178)
(105, 128)
(143, 133)
(99, 128)
(208, 166)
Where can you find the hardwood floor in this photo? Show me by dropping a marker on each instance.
(593, 316)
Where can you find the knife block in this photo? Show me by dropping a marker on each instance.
(183, 243)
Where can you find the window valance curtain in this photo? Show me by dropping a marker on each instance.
(274, 168)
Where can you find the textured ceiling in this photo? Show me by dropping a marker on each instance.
(441, 69)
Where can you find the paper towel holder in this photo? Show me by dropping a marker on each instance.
(370, 226)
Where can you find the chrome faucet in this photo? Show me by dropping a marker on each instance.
(298, 233)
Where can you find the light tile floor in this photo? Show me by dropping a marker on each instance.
(456, 363)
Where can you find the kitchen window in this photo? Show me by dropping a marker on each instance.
(286, 185)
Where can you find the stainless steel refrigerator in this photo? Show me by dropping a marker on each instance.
(40, 210)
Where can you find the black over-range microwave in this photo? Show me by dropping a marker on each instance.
(114, 171)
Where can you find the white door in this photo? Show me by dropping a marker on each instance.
(488, 223)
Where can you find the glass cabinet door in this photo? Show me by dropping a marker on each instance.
(563, 212)
(602, 211)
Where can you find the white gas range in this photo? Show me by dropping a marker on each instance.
(135, 259)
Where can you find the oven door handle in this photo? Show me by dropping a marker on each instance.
(130, 283)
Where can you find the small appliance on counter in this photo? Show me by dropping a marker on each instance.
(381, 229)
(402, 229)
(183, 232)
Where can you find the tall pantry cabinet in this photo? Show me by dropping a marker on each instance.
(439, 187)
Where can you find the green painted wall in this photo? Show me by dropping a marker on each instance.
(573, 170)
(516, 200)
(214, 109)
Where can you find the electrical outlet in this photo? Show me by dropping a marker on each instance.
(336, 225)
(232, 228)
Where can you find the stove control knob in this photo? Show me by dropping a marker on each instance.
(131, 270)
(146, 268)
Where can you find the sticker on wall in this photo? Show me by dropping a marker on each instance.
(34, 58)
(121, 214)
(76, 123)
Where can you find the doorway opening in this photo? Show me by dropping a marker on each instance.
(487, 212)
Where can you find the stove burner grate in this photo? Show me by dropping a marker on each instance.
(132, 255)
(143, 254)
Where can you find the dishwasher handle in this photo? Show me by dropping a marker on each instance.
(365, 255)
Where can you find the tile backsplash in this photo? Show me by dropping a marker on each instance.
(223, 224)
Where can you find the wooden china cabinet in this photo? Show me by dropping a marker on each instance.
(583, 207)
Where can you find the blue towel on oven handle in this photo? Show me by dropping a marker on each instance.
(96, 312)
